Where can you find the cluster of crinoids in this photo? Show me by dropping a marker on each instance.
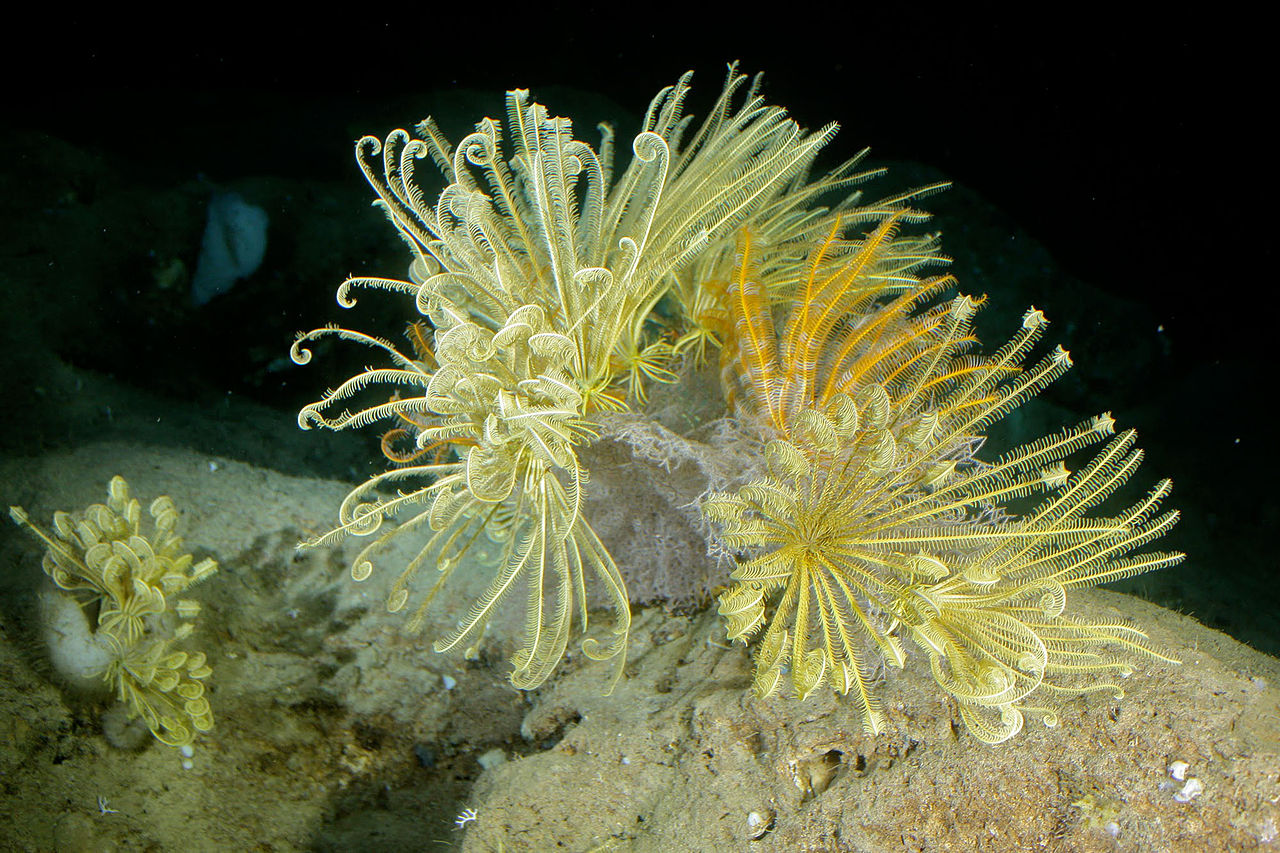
(555, 292)
(127, 583)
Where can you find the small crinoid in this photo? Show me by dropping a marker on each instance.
(128, 582)
(876, 519)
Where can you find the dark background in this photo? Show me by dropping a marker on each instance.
(1131, 153)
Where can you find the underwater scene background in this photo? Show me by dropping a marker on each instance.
(174, 220)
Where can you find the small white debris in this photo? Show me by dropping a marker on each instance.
(1190, 791)
(1113, 829)
(492, 759)
(1178, 770)
(449, 682)
(213, 466)
(759, 823)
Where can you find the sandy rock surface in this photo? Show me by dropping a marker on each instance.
(336, 730)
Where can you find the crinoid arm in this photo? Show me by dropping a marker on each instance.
(551, 554)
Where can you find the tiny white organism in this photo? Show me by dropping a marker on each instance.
(1190, 791)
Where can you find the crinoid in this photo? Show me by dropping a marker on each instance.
(875, 518)
(538, 271)
(129, 581)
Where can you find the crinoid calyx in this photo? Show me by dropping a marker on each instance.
(129, 581)
(877, 520)
(538, 269)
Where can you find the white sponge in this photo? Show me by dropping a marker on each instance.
(235, 241)
(78, 655)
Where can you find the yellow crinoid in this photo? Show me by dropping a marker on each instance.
(538, 269)
(876, 519)
(128, 581)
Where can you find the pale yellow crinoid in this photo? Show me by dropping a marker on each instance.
(538, 269)
(876, 520)
(128, 582)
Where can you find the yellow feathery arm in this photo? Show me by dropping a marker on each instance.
(809, 331)
(754, 331)
(797, 324)
(800, 346)
(832, 295)
(846, 368)
(914, 349)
